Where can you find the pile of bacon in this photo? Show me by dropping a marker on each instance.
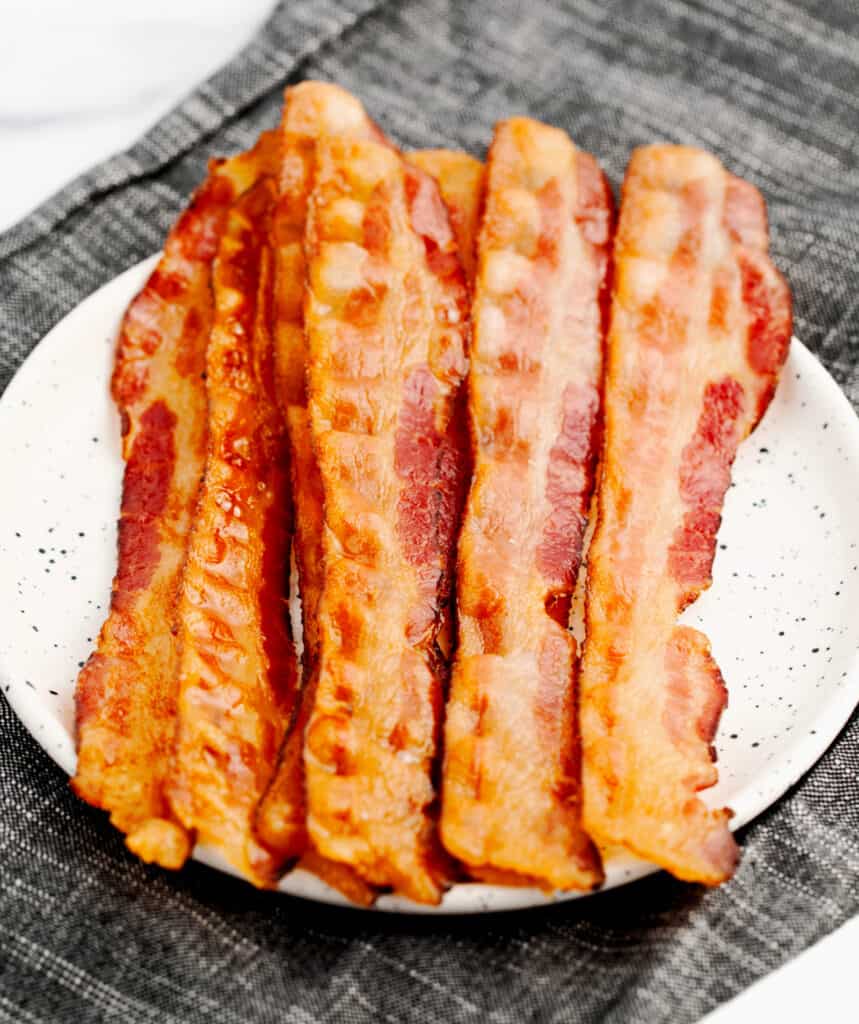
(414, 374)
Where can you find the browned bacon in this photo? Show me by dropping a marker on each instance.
(126, 693)
(237, 677)
(311, 110)
(386, 318)
(461, 181)
(511, 799)
(700, 327)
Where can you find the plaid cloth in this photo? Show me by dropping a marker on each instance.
(88, 933)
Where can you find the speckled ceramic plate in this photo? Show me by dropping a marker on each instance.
(781, 612)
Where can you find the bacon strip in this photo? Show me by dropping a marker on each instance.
(511, 795)
(461, 182)
(700, 327)
(311, 110)
(386, 315)
(126, 692)
(237, 678)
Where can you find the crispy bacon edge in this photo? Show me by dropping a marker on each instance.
(511, 785)
(694, 843)
(125, 697)
(376, 227)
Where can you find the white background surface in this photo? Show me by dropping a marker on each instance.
(79, 81)
(82, 79)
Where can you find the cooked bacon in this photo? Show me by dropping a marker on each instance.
(386, 316)
(126, 692)
(511, 793)
(700, 327)
(237, 678)
(461, 181)
(311, 109)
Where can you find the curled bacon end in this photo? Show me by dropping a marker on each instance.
(511, 745)
(339, 877)
(126, 693)
(386, 319)
(160, 841)
(237, 678)
(700, 328)
(316, 109)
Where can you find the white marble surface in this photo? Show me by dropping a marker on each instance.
(80, 81)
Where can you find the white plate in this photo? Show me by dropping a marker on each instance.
(781, 612)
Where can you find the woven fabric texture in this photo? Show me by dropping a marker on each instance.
(89, 934)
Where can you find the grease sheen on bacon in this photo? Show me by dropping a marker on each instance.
(126, 693)
(237, 677)
(386, 317)
(511, 797)
(700, 328)
(311, 110)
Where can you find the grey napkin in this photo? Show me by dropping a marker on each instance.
(87, 933)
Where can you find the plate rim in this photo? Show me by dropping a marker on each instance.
(803, 752)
